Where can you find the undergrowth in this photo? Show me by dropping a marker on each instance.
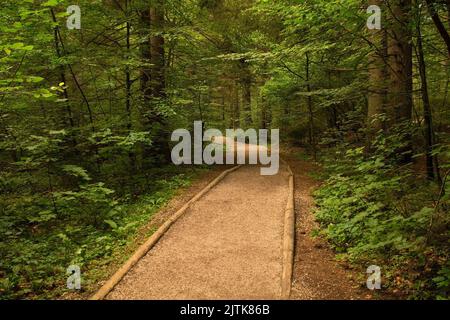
(377, 212)
(91, 226)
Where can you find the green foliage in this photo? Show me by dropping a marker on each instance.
(84, 149)
(90, 229)
(442, 281)
(377, 213)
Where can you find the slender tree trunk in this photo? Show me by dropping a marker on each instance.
(236, 109)
(51, 189)
(223, 109)
(438, 23)
(264, 115)
(157, 58)
(128, 83)
(62, 76)
(153, 83)
(400, 71)
(246, 93)
(400, 61)
(432, 165)
(426, 104)
(377, 76)
(332, 111)
(128, 77)
(312, 138)
(59, 40)
(152, 50)
(145, 56)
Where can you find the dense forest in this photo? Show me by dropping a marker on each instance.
(86, 114)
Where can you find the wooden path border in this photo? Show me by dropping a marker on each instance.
(288, 239)
(150, 243)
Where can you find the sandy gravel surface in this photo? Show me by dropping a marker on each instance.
(226, 246)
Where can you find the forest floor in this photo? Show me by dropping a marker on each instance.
(228, 245)
(317, 275)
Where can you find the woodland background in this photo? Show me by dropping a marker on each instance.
(86, 117)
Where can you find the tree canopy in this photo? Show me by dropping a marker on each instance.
(86, 116)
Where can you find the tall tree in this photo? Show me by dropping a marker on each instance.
(432, 4)
(377, 74)
(246, 81)
(400, 61)
(431, 159)
(153, 83)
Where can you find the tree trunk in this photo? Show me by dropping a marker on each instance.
(236, 109)
(400, 62)
(312, 137)
(432, 165)
(377, 76)
(152, 51)
(62, 77)
(264, 115)
(438, 23)
(246, 93)
(128, 83)
(157, 76)
(400, 71)
(153, 82)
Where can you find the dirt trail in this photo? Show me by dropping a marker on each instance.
(228, 245)
(317, 275)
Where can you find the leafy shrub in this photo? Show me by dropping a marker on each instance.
(91, 224)
(374, 211)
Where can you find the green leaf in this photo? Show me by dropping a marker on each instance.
(111, 223)
(50, 3)
(77, 172)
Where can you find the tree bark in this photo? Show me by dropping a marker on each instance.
(432, 164)
(438, 23)
(153, 82)
(377, 76)
(157, 76)
(62, 75)
(400, 84)
(246, 93)
(400, 61)
(312, 137)
(236, 109)
(128, 83)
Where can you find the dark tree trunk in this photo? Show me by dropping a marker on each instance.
(128, 83)
(400, 61)
(62, 76)
(246, 93)
(377, 76)
(312, 137)
(400, 71)
(432, 164)
(153, 82)
(438, 23)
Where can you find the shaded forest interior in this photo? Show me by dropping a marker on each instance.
(86, 117)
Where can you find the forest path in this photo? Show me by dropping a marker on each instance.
(227, 245)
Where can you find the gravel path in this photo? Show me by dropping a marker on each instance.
(228, 245)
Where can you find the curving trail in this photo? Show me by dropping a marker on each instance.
(228, 245)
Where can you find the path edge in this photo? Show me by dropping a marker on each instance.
(153, 240)
(288, 240)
